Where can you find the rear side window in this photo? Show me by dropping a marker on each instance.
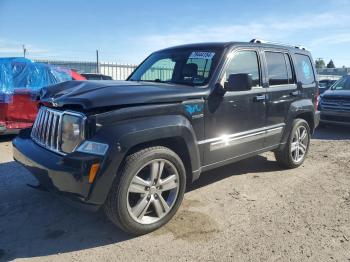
(244, 62)
(305, 70)
(277, 68)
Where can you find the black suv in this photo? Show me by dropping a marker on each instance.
(131, 146)
(335, 103)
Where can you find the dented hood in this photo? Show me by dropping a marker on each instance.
(95, 94)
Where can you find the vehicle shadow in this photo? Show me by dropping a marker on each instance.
(6, 138)
(332, 132)
(256, 164)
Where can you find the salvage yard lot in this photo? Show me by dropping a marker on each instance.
(248, 211)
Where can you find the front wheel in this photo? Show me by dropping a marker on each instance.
(148, 190)
(294, 152)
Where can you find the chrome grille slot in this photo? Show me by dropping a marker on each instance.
(45, 131)
(335, 105)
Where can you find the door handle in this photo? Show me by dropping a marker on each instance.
(295, 93)
(259, 98)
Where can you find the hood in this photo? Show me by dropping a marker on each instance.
(95, 94)
(336, 94)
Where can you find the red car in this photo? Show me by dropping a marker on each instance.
(20, 83)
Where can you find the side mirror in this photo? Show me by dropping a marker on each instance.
(239, 82)
(219, 90)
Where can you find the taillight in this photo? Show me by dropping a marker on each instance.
(317, 95)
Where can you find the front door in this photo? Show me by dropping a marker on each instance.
(234, 123)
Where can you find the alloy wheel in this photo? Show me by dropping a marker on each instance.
(153, 191)
(299, 145)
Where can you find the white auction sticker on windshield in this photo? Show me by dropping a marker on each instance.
(201, 55)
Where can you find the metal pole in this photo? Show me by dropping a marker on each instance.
(24, 51)
(97, 63)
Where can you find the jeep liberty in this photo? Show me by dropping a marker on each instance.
(130, 147)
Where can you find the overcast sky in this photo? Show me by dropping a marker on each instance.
(127, 31)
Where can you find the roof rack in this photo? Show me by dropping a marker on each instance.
(259, 41)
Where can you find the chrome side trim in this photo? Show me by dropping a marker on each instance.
(236, 140)
(241, 133)
(242, 137)
(274, 131)
(197, 116)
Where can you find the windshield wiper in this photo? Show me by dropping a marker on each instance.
(151, 81)
(166, 82)
(179, 83)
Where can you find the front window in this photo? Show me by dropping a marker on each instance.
(179, 66)
(244, 62)
(342, 84)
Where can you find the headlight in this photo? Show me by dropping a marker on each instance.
(72, 132)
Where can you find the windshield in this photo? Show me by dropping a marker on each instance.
(342, 84)
(178, 66)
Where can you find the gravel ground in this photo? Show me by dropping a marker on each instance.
(248, 211)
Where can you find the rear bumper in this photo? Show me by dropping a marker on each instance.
(335, 118)
(4, 131)
(2, 128)
(317, 118)
(13, 128)
(66, 176)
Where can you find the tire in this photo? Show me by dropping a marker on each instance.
(286, 157)
(129, 194)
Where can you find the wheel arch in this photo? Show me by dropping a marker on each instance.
(303, 109)
(172, 131)
(176, 144)
(309, 118)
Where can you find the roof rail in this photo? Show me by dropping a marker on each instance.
(259, 41)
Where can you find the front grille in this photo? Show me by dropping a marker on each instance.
(46, 129)
(335, 105)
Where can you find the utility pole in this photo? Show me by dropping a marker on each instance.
(24, 51)
(97, 63)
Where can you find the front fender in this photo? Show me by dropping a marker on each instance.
(125, 135)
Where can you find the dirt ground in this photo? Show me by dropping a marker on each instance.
(248, 211)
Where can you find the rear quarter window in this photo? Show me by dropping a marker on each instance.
(305, 69)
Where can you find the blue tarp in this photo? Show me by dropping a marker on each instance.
(20, 74)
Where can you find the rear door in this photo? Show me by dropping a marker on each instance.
(281, 92)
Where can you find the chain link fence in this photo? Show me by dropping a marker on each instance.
(115, 70)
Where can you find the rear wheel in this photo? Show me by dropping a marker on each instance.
(297, 147)
(148, 192)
